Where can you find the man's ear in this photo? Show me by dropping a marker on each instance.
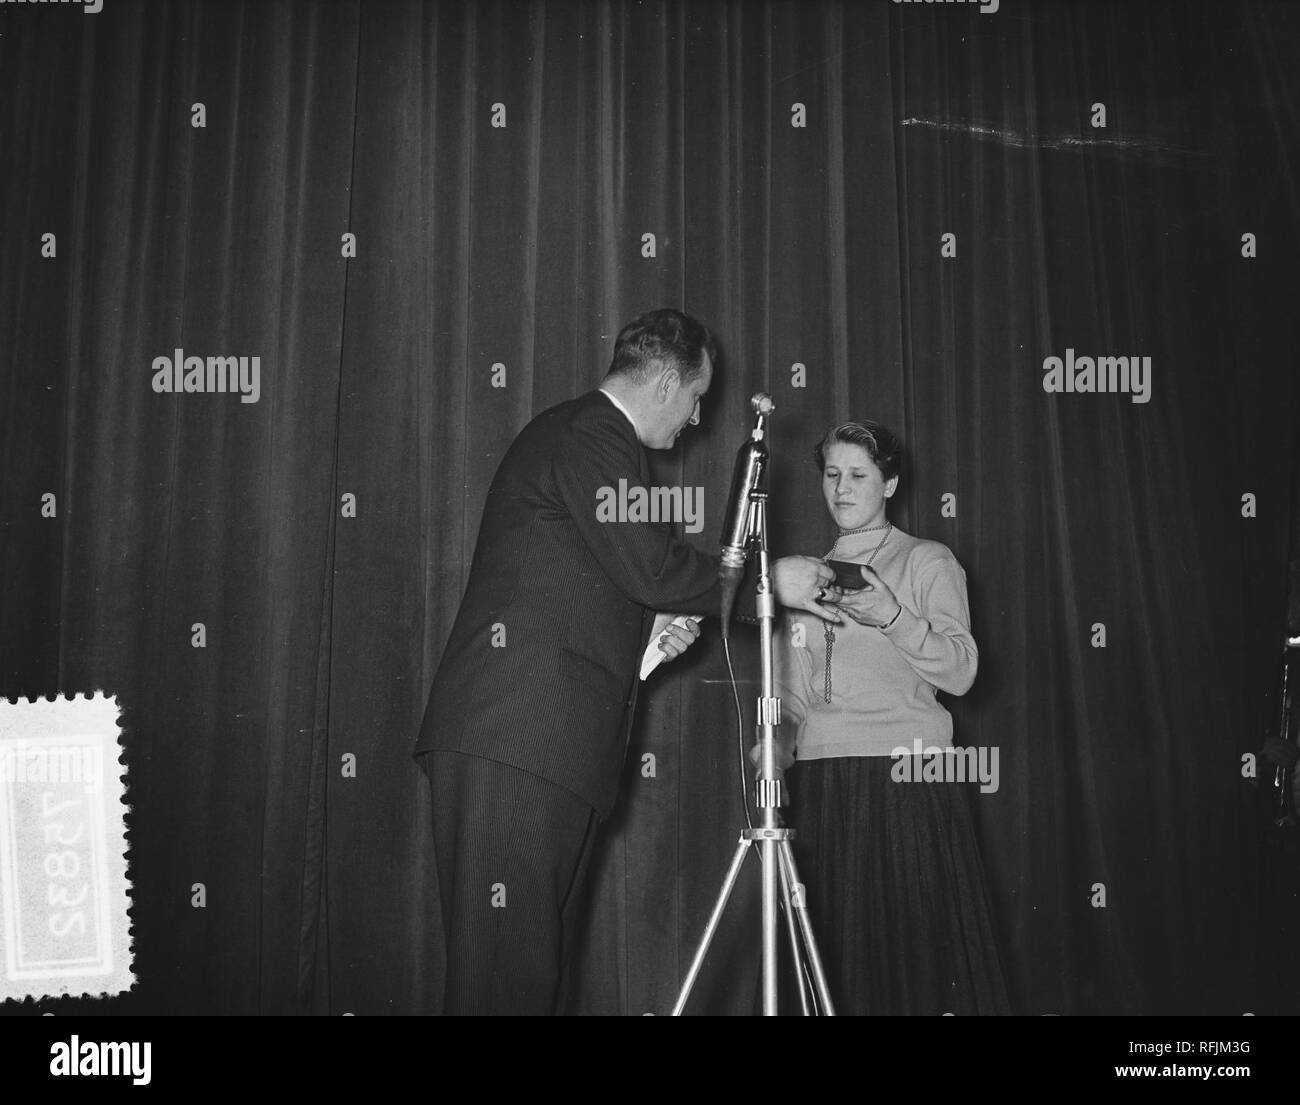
(669, 381)
(891, 485)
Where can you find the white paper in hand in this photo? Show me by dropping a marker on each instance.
(653, 657)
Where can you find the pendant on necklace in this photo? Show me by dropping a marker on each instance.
(829, 628)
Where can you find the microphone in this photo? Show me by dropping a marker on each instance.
(746, 477)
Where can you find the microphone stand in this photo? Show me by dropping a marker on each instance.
(773, 838)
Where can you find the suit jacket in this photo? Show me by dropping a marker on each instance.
(570, 600)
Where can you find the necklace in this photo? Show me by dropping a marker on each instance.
(861, 529)
(829, 628)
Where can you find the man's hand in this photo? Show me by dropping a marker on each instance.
(804, 583)
(675, 639)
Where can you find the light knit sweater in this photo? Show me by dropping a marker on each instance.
(883, 682)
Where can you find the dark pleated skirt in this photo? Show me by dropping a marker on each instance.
(896, 891)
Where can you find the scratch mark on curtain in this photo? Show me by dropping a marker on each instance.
(1065, 142)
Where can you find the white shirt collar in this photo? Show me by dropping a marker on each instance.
(626, 413)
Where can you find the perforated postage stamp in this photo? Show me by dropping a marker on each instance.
(63, 888)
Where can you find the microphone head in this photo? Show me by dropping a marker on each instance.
(762, 403)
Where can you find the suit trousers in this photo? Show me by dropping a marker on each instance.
(511, 852)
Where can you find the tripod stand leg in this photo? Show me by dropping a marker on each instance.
(795, 951)
(771, 867)
(728, 884)
(805, 926)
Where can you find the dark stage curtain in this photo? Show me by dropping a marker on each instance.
(798, 165)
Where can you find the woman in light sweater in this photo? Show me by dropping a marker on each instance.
(896, 891)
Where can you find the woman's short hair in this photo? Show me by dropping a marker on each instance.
(880, 442)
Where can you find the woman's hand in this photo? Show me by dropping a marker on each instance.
(874, 605)
(783, 746)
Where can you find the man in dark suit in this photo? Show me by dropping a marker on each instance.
(526, 728)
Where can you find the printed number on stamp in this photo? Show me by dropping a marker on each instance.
(64, 927)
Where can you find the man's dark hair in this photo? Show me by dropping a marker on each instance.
(670, 337)
(881, 444)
